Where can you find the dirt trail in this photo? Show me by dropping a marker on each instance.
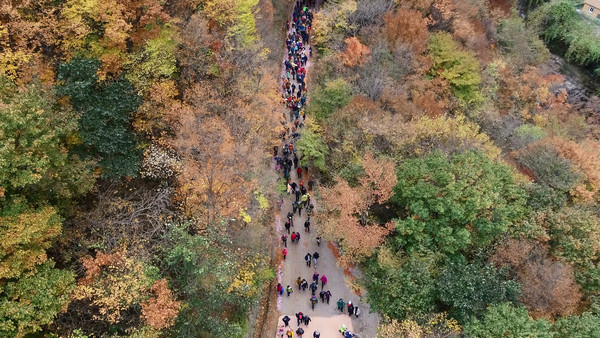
(326, 318)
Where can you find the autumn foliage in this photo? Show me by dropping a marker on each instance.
(548, 286)
(355, 52)
(161, 309)
(345, 212)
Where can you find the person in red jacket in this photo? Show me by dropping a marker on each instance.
(284, 252)
(323, 281)
(299, 172)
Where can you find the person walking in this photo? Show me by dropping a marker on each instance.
(298, 194)
(356, 311)
(315, 258)
(316, 334)
(287, 226)
(286, 320)
(284, 240)
(308, 258)
(322, 296)
(350, 309)
(307, 320)
(340, 305)
(313, 301)
(313, 288)
(307, 226)
(284, 252)
(315, 277)
(304, 285)
(293, 237)
(299, 317)
(300, 332)
(327, 296)
(299, 282)
(290, 333)
(318, 240)
(300, 206)
(297, 237)
(289, 290)
(323, 281)
(280, 331)
(303, 199)
(279, 288)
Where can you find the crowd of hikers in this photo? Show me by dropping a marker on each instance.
(287, 162)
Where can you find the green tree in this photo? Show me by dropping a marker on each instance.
(105, 109)
(506, 320)
(336, 94)
(554, 19)
(520, 43)
(470, 288)
(548, 167)
(312, 147)
(454, 202)
(460, 68)
(401, 287)
(32, 291)
(585, 325)
(32, 301)
(209, 275)
(155, 61)
(575, 236)
(35, 159)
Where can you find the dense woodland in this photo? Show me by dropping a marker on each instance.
(455, 168)
(461, 174)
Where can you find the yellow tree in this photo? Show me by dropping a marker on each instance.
(215, 179)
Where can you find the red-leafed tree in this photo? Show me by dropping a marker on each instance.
(344, 216)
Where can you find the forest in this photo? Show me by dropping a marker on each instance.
(456, 169)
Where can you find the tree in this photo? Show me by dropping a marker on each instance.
(521, 44)
(312, 147)
(455, 202)
(27, 234)
(216, 175)
(554, 20)
(355, 53)
(345, 213)
(506, 320)
(113, 285)
(214, 280)
(470, 288)
(549, 168)
(160, 311)
(33, 134)
(407, 26)
(237, 17)
(331, 23)
(460, 68)
(32, 301)
(336, 94)
(586, 324)
(436, 324)
(401, 287)
(574, 237)
(449, 135)
(548, 287)
(104, 124)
